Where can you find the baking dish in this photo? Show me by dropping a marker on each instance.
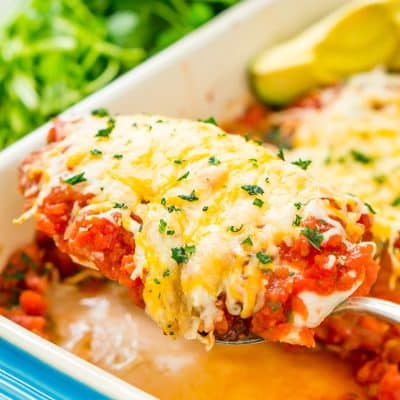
(203, 74)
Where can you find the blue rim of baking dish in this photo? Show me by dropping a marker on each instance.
(24, 377)
(32, 368)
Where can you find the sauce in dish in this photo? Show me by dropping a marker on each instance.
(179, 369)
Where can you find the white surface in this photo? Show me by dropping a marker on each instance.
(201, 75)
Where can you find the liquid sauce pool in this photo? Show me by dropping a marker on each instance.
(178, 369)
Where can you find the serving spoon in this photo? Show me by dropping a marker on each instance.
(383, 309)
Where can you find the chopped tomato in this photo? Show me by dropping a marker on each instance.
(33, 303)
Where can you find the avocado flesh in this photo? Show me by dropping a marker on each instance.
(356, 37)
(371, 40)
(284, 80)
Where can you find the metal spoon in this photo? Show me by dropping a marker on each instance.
(383, 309)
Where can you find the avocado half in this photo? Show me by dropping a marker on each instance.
(355, 38)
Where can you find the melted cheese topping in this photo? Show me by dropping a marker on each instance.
(187, 182)
(354, 144)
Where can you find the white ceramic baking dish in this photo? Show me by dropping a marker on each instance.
(203, 74)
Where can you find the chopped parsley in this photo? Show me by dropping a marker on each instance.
(26, 259)
(156, 281)
(396, 202)
(254, 161)
(258, 202)
(213, 160)
(165, 274)
(280, 154)
(253, 190)
(275, 306)
(96, 152)
(297, 205)
(160, 121)
(379, 179)
(233, 229)
(162, 226)
(100, 112)
(303, 164)
(314, 236)
(297, 220)
(248, 241)
(18, 275)
(173, 208)
(205, 208)
(163, 201)
(372, 211)
(105, 132)
(178, 161)
(184, 176)
(120, 205)
(118, 156)
(360, 157)
(75, 179)
(191, 197)
(170, 232)
(181, 254)
(210, 120)
(266, 180)
(264, 258)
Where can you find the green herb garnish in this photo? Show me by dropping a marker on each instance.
(184, 176)
(170, 232)
(163, 201)
(314, 236)
(297, 220)
(361, 157)
(380, 179)
(162, 226)
(264, 258)
(258, 202)
(75, 179)
(396, 202)
(181, 254)
(213, 161)
(178, 161)
(173, 208)
(118, 156)
(248, 241)
(156, 281)
(96, 152)
(210, 120)
(191, 197)
(275, 306)
(233, 229)
(372, 211)
(280, 154)
(166, 273)
(297, 205)
(120, 205)
(205, 208)
(253, 190)
(105, 132)
(303, 164)
(100, 112)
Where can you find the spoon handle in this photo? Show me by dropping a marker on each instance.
(382, 309)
